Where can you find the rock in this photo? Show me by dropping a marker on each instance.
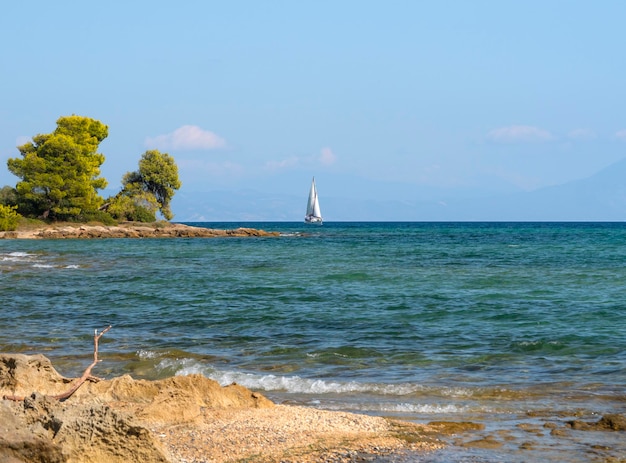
(178, 419)
(559, 433)
(97, 433)
(610, 422)
(21, 375)
(43, 429)
(133, 230)
(21, 441)
(174, 400)
(488, 442)
(103, 421)
(456, 427)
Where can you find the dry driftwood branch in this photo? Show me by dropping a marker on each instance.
(86, 375)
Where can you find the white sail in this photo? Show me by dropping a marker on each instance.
(313, 213)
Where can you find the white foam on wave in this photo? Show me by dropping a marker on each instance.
(315, 387)
(306, 386)
(35, 260)
(180, 366)
(404, 408)
(291, 384)
(458, 392)
(147, 354)
(16, 256)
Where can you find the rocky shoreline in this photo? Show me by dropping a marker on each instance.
(181, 419)
(130, 230)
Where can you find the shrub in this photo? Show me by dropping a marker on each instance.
(98, 216)
(9, 218)
(139, 208)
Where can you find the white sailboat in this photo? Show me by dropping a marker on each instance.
(313, 214)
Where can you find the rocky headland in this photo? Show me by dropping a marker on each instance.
(129, 230)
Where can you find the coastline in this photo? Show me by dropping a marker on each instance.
(235, 311)
(179, 419)
(129, 230)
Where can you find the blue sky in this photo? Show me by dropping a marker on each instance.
(414, 97)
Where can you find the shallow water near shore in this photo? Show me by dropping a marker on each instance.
(518, 326)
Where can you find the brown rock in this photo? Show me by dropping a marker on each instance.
(102, 421)
(610, 422)
(40, 429)
(132, 230)
(559, 433)
(175, 400)
(488, 442)
(183, 418)
(456, 427)
(21, 375)
(613, 422)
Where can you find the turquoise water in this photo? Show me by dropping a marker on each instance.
(517, 325)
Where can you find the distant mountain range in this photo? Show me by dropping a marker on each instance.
(601, 197)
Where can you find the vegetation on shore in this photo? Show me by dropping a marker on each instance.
(60, 179)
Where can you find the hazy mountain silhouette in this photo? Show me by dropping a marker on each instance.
(601, 197)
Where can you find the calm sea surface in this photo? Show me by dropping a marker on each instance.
(520, 326)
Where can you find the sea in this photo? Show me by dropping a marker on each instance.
(518, 327)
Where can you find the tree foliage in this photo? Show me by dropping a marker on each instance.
(134, 207)
(9, 218)
(8, 196)
(60, 171)
(60, 178)
(156, 178)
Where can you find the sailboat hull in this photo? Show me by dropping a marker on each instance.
(313, 219)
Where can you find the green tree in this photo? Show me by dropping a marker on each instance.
(136, 206)
(60, 171)
(9, 218)
(157, 176)
(8, 196)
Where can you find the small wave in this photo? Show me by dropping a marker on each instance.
(404, 408)
(182, 366)
(147, 354)
(298, 385)
(425, 408)
(290, 384)
(16, 256)
(38, 261)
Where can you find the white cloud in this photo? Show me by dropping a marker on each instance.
(326, 157)
(621, 134)
(186, 138)
(519, 133)
(582, 134)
